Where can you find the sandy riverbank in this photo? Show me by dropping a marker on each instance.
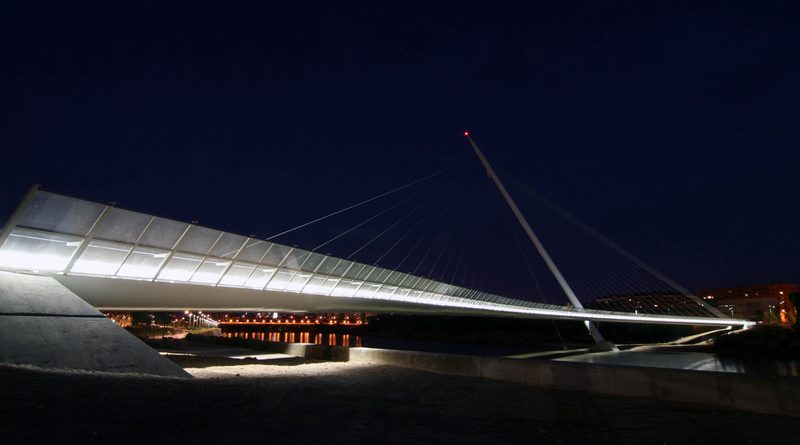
(279, 398)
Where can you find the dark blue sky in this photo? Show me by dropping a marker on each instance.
(671, 126)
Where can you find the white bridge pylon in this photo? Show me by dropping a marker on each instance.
(118, 259)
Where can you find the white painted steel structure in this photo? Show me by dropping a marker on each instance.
(120, 259)
(562, 282)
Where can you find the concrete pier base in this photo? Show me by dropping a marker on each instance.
(44, 324)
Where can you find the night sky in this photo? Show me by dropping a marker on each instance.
(671, 127)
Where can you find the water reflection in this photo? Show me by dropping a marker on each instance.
(331, 339)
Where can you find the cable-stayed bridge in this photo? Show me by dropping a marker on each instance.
(125, 260)
(117, 259)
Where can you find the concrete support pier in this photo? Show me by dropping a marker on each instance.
(44, 324)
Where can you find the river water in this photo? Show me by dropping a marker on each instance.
(674, 359)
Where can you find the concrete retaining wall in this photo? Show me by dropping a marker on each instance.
(759, 394)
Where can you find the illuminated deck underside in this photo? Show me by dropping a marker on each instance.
(124, 260)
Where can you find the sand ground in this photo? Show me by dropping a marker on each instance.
(273, 398)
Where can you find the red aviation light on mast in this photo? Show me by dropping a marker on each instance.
(466, 133)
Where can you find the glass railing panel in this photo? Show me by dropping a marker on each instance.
(396, 278)
(327, 287)
(237, 275)
(367, 272)
(315, 285)
(34, 250)
(198, 240)
(121, 225)
(298, 281)
(328, 265)
(342, 267)
(295, 258)
(261, 275)
(380, 275)
(313, 260)
(355, 271)
(61, 214)
(180, 267)
(281, 279)
(101, 258)
(163, 233)
(228, 245)
(210, 271)
(254, 251)
(345, 288)
(276, 254)
(143, 263)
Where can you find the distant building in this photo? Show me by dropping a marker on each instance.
(765, 302)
